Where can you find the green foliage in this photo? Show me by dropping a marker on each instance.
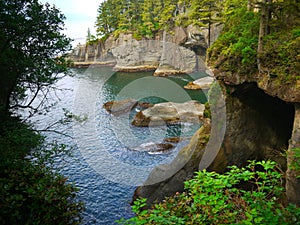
(32, 58)
(205, 12)
(295, 164)
(148, 17)
(213, 198)
(207, 112)
(32, 55)
(16, 139)
(142, 18)
(30, 192)
(90, 38)
(235, 49)
(281, 55)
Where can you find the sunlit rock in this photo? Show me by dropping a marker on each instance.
(202, 83)
(120, 107)
(154, 147)
(170, 113)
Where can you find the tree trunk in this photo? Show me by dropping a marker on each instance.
(249, 5)
(209, 32)
(7, 85)
(262, 33)
(269, 16)
(292, 182)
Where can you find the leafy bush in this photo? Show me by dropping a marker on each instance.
(34, 195)
(248, 195)
(235, 49)
(16, 139)
(30, 192)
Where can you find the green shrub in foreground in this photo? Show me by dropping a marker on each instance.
(30, 192)
(213, 198)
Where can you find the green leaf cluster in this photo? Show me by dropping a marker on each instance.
(235, 49)
(295, 162)
(248, 195)
(30, 192)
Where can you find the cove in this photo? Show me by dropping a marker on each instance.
(104, 164)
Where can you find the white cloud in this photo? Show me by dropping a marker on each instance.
(80, 14)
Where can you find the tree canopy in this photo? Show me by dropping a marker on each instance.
(147, 17)
(32, 50)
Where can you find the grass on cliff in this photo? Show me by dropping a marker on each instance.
(213, 198)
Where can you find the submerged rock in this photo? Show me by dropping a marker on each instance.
(123, 106)
(202, 83)
(170, 113)
(154, 147)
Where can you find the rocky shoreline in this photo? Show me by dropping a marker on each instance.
(92, 64)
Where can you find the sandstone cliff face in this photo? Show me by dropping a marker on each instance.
(180, 51)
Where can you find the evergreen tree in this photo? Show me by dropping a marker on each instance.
(149, 18)
(108, 18)
(89, 35)
(168, 14)
(205, 13)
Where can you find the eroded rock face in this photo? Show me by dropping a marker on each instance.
(273, 86)
(258, 126)
(170, 113)
(292, 174)
(166, 58)
(177, 52)
(133, 55)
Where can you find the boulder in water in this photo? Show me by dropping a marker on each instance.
(170, 113)
(202, 83)
(120, 107)
(154, 147)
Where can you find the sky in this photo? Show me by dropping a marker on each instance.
(80, 15)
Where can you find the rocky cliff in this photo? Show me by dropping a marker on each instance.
(179, 51)
(262, 122)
